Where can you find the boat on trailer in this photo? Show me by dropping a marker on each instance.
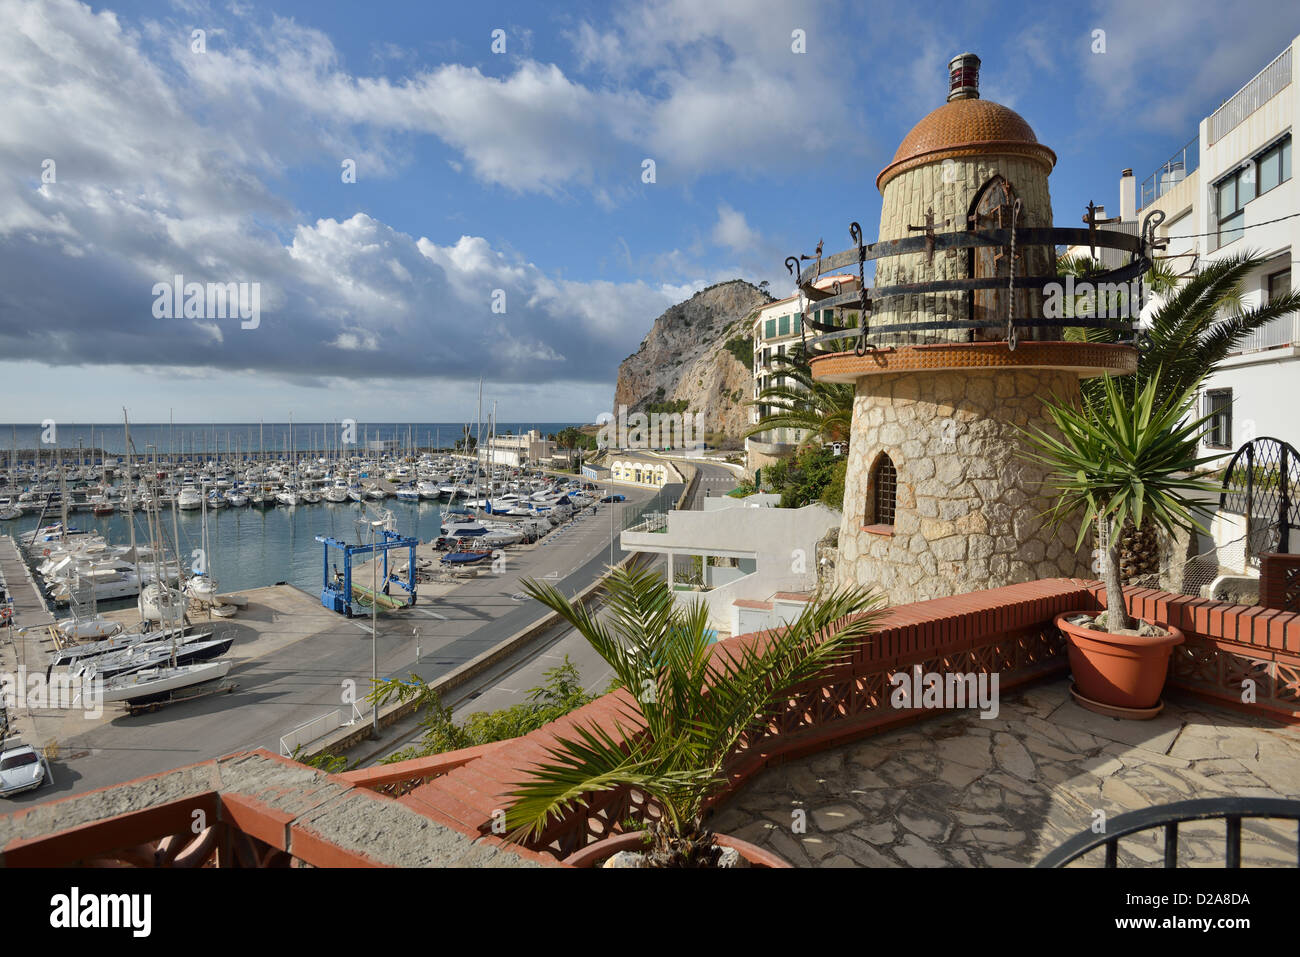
(159, 684)
(118, 663)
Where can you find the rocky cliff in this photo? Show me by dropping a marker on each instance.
(685, 360)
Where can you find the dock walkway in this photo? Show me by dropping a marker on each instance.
(29, 606)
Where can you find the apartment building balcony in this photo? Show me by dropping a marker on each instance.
(1277, 339)
(1169, 174)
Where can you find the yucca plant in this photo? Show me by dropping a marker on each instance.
(694, 701)
(1122, 460)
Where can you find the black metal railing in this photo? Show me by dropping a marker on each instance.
(827, 337)
(1262, 483)
(1232, 810)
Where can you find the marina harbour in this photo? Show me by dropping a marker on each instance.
(191, 608)
(249, 548)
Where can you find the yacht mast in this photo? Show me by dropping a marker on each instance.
(126, 497)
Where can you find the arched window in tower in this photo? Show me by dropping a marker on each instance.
(883, 486)
(993, 209)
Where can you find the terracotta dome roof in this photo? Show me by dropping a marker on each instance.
(966, 127)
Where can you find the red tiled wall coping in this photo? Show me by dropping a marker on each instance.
(261, 807)
(1266, 631)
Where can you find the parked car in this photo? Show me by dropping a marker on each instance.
(22, 768)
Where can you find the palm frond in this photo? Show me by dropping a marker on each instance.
(694, 699)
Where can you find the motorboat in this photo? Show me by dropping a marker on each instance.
(162, 603)
(189, 498)
(491, 536)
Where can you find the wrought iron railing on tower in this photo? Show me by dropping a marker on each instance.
(822, 338)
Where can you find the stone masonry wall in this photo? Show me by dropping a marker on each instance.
(968, 509)
(949, 188)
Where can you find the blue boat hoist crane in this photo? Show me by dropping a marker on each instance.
(339, 591)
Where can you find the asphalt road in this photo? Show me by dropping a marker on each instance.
(512, 683)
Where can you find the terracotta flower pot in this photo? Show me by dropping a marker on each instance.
(595, 854)
(1120, 671)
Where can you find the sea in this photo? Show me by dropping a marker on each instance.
(270, 438)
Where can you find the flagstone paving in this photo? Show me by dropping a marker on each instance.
(965, 791)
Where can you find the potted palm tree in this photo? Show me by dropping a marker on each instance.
(694, 701)
(1117, 461)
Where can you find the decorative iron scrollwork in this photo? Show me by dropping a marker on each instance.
(831, 337)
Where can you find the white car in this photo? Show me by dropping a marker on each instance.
(22, 768)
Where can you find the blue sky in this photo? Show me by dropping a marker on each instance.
(518, 170)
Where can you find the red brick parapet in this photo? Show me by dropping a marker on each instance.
(1007, 630)
(1004, 630)
(260, 809)
(1279, 581)
(1243, 656)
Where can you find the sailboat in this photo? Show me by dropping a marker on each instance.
(156, 684)
(192, 651)
(201, 586)
(72, 653)
(158, 601)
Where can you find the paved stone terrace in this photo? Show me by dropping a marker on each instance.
(961, 790)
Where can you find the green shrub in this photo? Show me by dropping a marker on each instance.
(742, 347)
(561, 693)
(813, 474)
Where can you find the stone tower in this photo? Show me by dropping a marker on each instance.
(936, 501)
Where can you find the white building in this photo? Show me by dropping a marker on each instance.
(751, 566)
(635, 468)
(515, 451)
(777, 329)
(1228, 191)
